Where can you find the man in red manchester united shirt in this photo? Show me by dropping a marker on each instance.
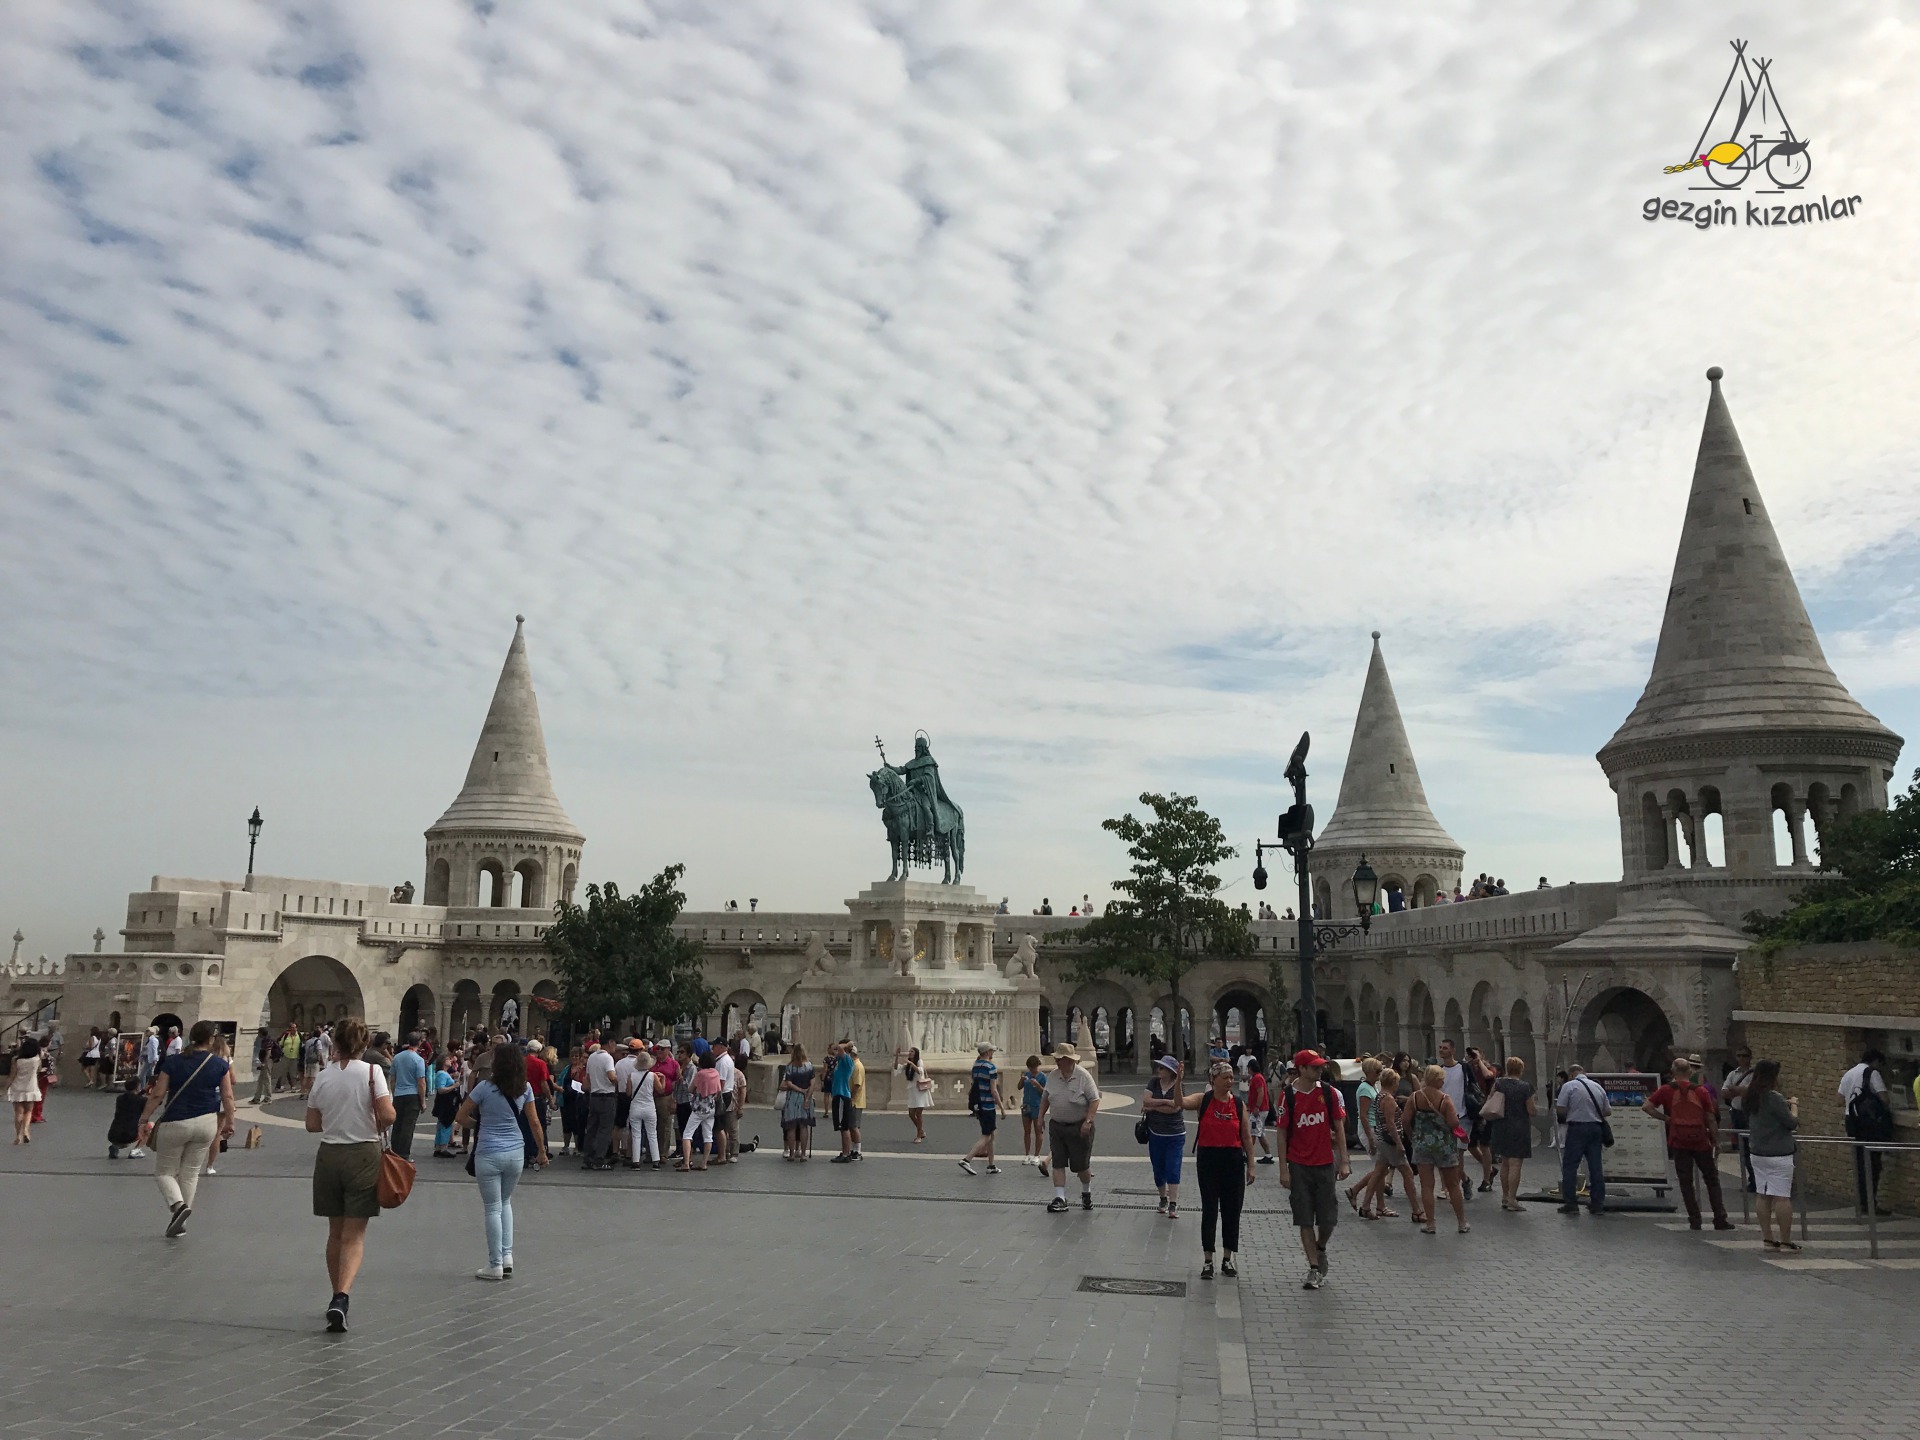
(1313, 1127)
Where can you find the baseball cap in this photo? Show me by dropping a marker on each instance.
(1304, 1058)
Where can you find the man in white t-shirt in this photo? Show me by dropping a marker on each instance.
(1866, 1073)
(601, 1103)
(726, 1114)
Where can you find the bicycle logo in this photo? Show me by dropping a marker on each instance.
(1772, 148)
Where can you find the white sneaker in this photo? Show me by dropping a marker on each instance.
(136, 1153)
(993, 1169)
(212, 1171)
(506, 1263)
(967, 1165)
(490, 1272)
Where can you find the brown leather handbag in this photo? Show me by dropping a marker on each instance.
(396, 1171)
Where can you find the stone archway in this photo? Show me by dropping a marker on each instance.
(319, 987)
(417, 1010)
(1109, 1015)
(497, 1012)
(1623, 1028)
(466, 1012)
(743, 1010)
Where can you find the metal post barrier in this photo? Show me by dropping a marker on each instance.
(1873, 1204)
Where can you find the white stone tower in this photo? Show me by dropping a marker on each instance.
(1383, 812)
(506, 824)
(1742, 718)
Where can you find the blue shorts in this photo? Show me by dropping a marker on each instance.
(1165, 1152)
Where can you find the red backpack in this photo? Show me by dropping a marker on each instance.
(1690, 1119)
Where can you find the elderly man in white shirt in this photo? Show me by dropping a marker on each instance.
(1067, 1109)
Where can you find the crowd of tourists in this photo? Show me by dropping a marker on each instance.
(1452, 1128)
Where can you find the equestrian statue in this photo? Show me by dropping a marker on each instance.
(924, 827)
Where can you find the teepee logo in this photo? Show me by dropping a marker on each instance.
(1748, 133)
(1749, 145)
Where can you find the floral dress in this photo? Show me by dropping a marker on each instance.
(1434, 1142)
(794, 1104)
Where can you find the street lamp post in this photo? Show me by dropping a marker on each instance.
(254, 822)
(1296, 838)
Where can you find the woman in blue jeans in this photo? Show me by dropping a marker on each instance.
(499, 1149)
(1163, 1105)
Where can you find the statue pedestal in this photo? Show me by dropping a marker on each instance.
(921, 975)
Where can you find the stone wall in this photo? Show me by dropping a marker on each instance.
(1815, 1010)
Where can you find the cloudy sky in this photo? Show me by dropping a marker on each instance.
(1078, 381)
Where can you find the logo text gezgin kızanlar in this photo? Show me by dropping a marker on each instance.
(1705, 214)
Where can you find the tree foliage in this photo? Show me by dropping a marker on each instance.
(618, 954)
(1874, 858)
(1169, 917)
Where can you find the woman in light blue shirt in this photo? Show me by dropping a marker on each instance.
(499, 1150)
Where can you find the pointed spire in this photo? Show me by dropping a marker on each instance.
(1382, 802)
(508, 786)
(1737, 651)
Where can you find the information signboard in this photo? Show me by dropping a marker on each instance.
(1639, 1153)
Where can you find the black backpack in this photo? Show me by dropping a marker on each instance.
(1869, 1117)
(1329, 1096)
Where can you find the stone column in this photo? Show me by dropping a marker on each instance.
(1797, 832)
(1691, 832)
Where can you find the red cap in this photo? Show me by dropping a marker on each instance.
(1303, 1058)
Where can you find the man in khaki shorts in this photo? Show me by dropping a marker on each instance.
(1068, 1109)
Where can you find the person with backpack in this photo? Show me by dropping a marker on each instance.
(1223, 1163)
(1863, 1096)
(1162, 1115)
(1313, 1136)
(984, 1101)
(1692, 1120)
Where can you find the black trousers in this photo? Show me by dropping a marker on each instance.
(406, 1114)
(1687, 1164)
(1861, 1160)
(599, 1126)
(1222, 1171)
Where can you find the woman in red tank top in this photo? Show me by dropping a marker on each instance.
(1223, 1160)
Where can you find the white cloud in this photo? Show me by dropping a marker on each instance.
(1079, 382)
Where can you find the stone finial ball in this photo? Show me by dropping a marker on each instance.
(1376, 634)
(1714, 372)
(519, 619)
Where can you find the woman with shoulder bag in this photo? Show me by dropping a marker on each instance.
(1162, 1108)
(1771, 1120)
(496, 1106)
(347, 1107)
(193, 1095)
(1509, 1113)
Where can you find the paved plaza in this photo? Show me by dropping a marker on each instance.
(900, 1298)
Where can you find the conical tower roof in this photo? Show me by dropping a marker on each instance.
(1737, 652)
(508, 786)
(1383, 805)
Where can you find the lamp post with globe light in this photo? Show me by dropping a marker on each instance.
(1296, 838)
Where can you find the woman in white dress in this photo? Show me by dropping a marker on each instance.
(919, 1094)
(23, 1088)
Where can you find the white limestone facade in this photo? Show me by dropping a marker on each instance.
(1743, 732)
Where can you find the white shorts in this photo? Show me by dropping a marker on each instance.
(1772, 1174)
(1256, 1124)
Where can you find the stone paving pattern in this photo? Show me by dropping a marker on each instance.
(898, 1298)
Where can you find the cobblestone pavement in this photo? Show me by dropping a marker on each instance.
(896, 1298)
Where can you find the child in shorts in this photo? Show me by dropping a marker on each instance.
(1033, 1088)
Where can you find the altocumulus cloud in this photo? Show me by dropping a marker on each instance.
(1078, 381)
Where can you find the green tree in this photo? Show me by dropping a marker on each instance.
(1874, 894)
(618, 954)
(1170, 916)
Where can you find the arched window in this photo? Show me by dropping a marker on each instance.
(439, 882)
(488, 889)
(532, 891)
(567, 878)
(1820, 813)
(1713, 833)
(1784, 844)
(1682, 822)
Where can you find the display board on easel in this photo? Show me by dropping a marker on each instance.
(1639, 1152)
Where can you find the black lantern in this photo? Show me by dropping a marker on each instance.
(254, 822)
(1366, 887)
